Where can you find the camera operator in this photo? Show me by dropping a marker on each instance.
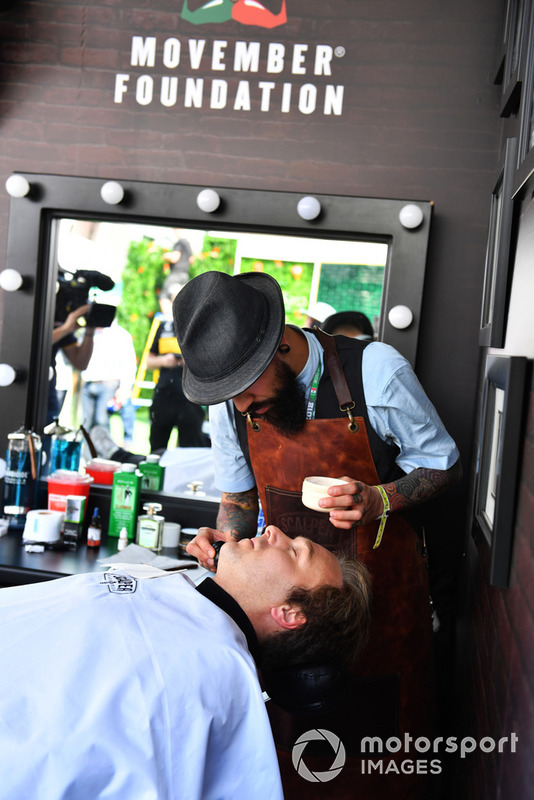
(71, 304)
(77, 352)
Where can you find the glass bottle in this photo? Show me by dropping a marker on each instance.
(150, 527)
(23, 465)
(66, 448)
(94, 531)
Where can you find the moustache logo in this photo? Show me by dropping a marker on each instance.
(266, 14)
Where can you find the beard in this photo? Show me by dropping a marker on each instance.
(287, 412)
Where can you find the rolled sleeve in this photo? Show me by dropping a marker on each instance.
(232, 473)
(401, 413)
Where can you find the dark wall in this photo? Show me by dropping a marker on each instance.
(495, 685)
(494, 682)
(419, 121)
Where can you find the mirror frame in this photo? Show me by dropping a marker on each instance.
(28, 312)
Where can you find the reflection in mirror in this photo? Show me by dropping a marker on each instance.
(65, 220)
(137, 269)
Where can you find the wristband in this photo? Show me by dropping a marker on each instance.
(383, 518)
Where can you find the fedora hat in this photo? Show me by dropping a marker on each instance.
(229, 329)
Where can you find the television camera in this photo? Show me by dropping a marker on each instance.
(73, 292)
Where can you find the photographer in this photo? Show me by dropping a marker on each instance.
(77, 352)
(71, 304)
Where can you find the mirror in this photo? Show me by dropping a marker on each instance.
(141, 260)
(66, 221)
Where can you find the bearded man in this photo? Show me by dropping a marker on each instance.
(287, 403)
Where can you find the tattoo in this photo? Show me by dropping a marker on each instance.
(421, 485)
(238, 514)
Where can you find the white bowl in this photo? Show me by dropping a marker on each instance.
(315, 487)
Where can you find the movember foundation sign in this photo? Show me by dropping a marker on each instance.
(203, 72)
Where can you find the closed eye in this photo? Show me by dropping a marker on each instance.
(305, 548)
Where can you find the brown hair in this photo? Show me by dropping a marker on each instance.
(337, 622)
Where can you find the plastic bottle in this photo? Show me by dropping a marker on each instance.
(94, 531)
(150, 527)
(123, 539)
(125, 496)
(153, 473)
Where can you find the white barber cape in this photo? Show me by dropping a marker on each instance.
(149, 694)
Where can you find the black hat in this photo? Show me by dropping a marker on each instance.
(229, 329)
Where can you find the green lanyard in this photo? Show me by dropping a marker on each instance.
(312, 397)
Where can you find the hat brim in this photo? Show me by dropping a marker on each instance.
(210, 392)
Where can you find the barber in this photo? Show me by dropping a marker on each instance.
(236, 345)
(305, 403)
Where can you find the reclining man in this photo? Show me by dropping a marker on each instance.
(121, 687)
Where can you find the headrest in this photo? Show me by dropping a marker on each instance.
(308, 689)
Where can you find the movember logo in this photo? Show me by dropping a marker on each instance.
(266, 14)
(194, 71)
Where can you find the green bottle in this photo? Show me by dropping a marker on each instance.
(153, 473)
(125, 496)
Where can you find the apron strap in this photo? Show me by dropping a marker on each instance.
(335, 369)
(339, 382)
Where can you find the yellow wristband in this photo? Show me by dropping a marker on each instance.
(383, 518)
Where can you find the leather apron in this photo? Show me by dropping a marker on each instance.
(392, 683)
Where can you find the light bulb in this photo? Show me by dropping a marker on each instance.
(410, 216)
(7, 375)
(17, 186)
(400, 317)
(112, 193)
(10, 280)
(208, 200)
(308, 208)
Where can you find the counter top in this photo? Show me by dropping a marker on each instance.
(17, 566)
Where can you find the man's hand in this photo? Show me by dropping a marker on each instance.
(359, 504)
(201, 549)
(354, 503)
(71, 323)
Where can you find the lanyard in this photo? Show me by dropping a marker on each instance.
(312, 397)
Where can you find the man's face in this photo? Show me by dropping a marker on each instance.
(277, 396)
(271, 565)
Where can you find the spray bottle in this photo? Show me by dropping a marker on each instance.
(23, 464)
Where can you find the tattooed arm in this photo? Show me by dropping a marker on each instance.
(360, 504)
(237, 519)
(238, 514)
